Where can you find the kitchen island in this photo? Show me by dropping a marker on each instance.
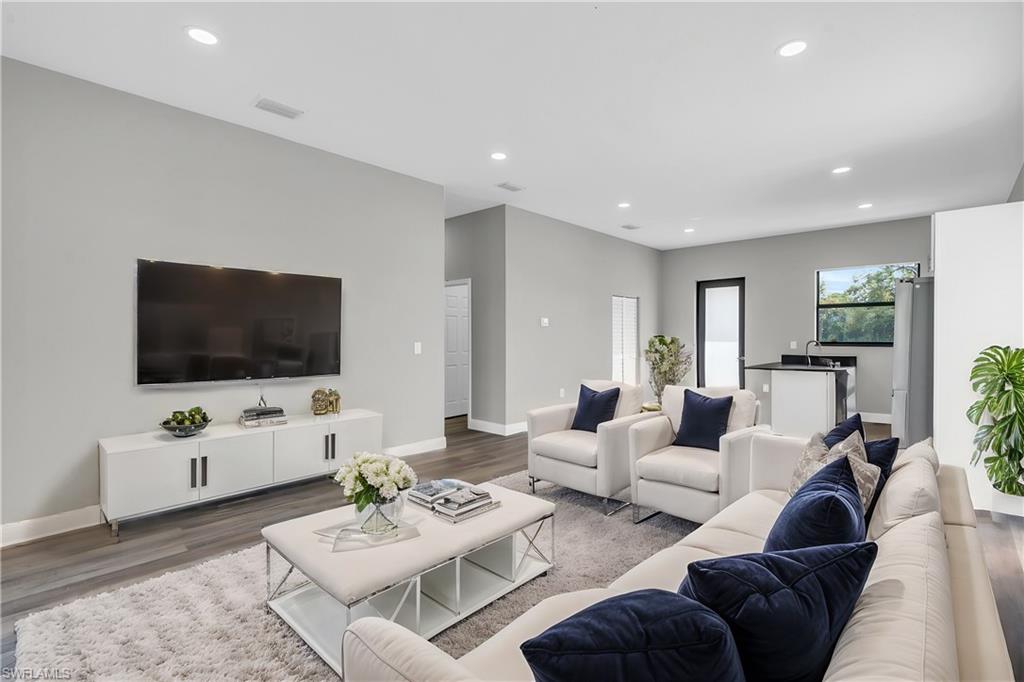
(806, 398)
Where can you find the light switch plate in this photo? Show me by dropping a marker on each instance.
(766, 388)
(417, 348)
(545, 322)
(792, 345)
(561, 393)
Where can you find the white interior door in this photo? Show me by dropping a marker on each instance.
(456, 349)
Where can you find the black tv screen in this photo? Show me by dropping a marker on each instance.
(204, 323)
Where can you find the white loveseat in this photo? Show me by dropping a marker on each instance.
(593, 463)
(927, 612)
(692, 483)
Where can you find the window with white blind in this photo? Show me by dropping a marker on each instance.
(625, 340)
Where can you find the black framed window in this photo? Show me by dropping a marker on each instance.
(855, 306)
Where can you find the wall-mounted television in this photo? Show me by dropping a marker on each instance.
(200, 323)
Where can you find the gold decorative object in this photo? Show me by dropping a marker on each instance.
(321, 401)
(333, 401)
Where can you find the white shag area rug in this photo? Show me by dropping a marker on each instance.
(208, 621)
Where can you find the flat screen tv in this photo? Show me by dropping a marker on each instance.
(204, 323)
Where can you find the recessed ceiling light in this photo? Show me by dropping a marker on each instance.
(623, 204)
(499, 156)
(865, 205)
(841, 170)
(201, 35)
(792, 48)
(689, 229)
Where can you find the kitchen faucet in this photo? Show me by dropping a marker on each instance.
(807, 350)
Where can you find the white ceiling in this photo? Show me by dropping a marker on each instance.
(683, 110)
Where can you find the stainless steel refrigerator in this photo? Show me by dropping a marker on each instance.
(912, 350)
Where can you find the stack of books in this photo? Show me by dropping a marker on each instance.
(452, 500)
(262, 416)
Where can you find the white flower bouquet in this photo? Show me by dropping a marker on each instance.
(374, 479)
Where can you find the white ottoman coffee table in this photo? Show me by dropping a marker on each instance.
(426, 583)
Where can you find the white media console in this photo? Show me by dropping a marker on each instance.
(151, 472)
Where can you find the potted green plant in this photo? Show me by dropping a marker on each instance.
(669, 361)
(998, 375)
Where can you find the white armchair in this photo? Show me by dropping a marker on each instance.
(691, 483)
(593, 463)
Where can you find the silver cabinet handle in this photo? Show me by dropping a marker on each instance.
(192, 473)
(202, 483)
(334, 443)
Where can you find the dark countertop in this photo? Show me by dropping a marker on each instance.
(787, 367)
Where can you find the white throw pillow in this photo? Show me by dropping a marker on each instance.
(816, 455)
(911, 491)
(920, 450)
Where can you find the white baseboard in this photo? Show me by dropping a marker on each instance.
(17, 532)
(876, 417)
(417, 447)
(496, 428)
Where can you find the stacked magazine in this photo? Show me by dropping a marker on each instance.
(452, 500)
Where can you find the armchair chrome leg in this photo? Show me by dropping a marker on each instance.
(636, 514)
(533, 485)
(620, 507)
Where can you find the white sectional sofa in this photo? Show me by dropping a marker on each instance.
(927, 612)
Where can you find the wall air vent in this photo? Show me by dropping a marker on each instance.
(510, 187)
(630, 227)
(277, 108)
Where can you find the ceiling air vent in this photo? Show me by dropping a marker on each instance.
(510, 187)
(630, 227)
(277, 108)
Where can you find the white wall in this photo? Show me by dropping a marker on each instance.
(979, 302)
(94, 178)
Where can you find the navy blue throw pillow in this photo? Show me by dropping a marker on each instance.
(843, 430)
(594, 408)
(643, 635)
(826, 510)
(704, 420)
(785, 610)
(881, 453)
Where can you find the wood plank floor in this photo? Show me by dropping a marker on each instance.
(58, 569)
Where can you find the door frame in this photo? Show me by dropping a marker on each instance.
(468, 281)
(702, 286)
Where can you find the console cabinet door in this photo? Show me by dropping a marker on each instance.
(147, 480)
(231, 465)
(355, 435)
(301, 451)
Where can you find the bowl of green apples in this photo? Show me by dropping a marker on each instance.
(185, 424)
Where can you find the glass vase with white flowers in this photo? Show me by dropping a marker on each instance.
(375, 484)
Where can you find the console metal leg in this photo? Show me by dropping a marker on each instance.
(620, 507)
(636, 514)
(114, 530)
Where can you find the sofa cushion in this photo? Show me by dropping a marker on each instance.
(499, 658)
(787, 609)
(664, 570)
(594, 407)
(911, 491)
(631, 396)
(688, 467)
(827, 510)
(575, 447)
(919, 450)
(642, 635)
(843, 430)
(703, 421)
(753, 514)
(741, 416)
(722, 541)
(902, 627)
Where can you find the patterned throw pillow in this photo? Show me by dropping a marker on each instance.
(816, 455)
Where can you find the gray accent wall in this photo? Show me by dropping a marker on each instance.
(94, 178)
(568, 274)
(475, 250)
(780, 293)
(1017, 193)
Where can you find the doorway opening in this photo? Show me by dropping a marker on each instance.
(720, 322)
